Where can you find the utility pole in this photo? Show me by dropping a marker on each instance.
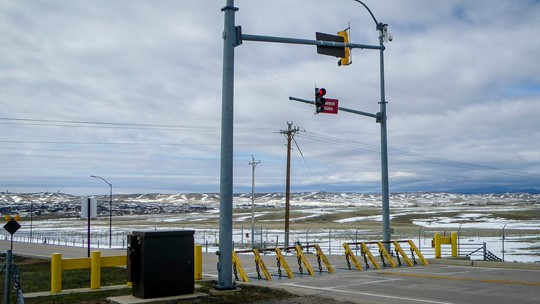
(253, 164)
(289, 133)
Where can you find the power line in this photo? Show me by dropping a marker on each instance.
(417, 156)
(307, 166)
(52, 122)
(117, 125)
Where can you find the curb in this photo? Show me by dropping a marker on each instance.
(489, 264)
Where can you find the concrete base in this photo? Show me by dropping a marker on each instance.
(130, 299)
(220, 292)
(69, 291)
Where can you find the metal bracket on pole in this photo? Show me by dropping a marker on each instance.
(229, 7)
(238, 38)
(380, 117)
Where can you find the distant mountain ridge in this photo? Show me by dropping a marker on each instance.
(275, 197)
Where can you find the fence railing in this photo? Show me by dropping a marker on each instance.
(501, 242)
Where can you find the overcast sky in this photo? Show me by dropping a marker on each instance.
(131, 91)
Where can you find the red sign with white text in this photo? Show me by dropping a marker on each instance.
(331, 106)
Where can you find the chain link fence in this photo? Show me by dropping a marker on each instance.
(519, 245)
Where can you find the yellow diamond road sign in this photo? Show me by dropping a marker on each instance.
(12, 226)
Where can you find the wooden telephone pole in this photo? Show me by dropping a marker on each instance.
(289, 133)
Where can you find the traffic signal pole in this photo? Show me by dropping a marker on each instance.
(233, 37)
(387, 232)
(225, 275)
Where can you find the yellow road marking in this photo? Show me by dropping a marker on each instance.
(442, 277)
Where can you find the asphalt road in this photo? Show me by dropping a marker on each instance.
(437, 283)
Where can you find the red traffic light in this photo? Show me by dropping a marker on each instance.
(319, 100)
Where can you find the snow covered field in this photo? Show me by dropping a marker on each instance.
(509, 222)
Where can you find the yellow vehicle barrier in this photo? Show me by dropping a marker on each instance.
(367, 254)
(197, 260)
(95, 262)
(439, 240)
(282, 262)
(349, 256)
(237, 268)
(384, 255)
(260, 266)
(322, 256)
(418, 253)
(400, 251)
(302, 260)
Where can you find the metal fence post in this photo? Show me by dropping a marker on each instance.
(7, 282)
(330, 242)
(503, 237)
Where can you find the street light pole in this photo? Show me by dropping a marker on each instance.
(383, 35)
(110, 207)
(387, 233)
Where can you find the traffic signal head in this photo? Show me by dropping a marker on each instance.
(346, 59)
(319, 100)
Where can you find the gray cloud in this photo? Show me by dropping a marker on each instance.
(462, 82)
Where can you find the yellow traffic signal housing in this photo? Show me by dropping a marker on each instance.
(346, 60)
